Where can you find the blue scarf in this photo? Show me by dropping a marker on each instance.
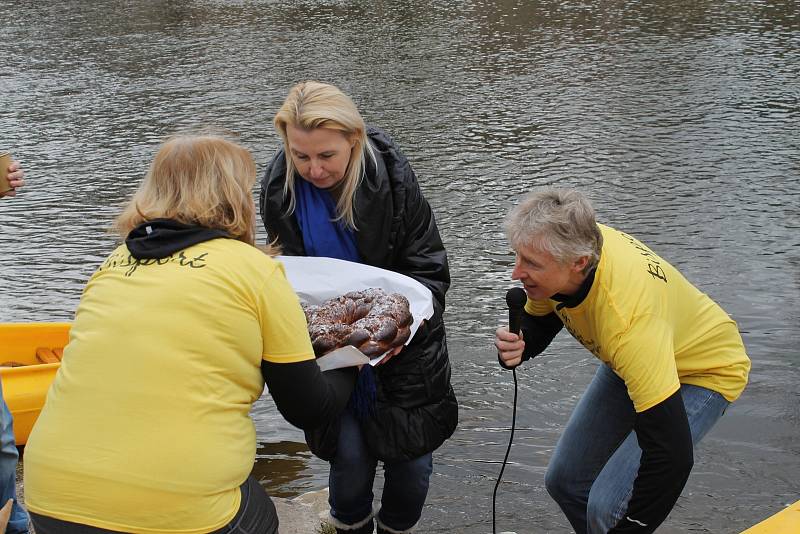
(315, 211)
(322, 235)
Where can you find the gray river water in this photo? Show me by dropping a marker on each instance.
(679, 120)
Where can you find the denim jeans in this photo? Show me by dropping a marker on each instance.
(256, 515)
(8, 471)
(353, 473)
(596, 460)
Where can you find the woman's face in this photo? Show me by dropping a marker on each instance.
(321, 155)
(543, 276)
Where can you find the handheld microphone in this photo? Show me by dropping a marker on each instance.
(516, 299)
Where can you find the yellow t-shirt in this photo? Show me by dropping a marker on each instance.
(653, 327)
(146, 427)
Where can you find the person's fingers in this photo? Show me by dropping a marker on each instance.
(391, 353)
(503, 334)
(509, 359)
(15, 175)
(507, 346)
(508, 354)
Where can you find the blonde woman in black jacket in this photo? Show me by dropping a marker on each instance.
(346, 191)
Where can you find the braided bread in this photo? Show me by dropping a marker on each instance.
(371, 320)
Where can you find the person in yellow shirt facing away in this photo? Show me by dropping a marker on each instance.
(146, 427)
(671, 361)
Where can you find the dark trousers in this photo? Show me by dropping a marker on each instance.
(353, 474)
(256, 515)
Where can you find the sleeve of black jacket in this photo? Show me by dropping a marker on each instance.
(305, 396)
(537, 331)
(421, 254)
(667, 458)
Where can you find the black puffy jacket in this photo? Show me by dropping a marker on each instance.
(416, 407)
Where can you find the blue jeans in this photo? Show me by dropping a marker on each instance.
(353, 473)
(596, 459)
(8, 471)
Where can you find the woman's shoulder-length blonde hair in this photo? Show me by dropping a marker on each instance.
(205, 180)
(311, 105)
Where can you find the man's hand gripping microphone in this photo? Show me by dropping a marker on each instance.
(515, 299)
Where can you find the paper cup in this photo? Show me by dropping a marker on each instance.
(5, 162)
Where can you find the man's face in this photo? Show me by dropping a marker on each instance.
(543, 276)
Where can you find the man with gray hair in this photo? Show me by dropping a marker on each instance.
(671, 361)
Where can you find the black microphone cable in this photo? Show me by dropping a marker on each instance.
(508, 450)
(515, 299)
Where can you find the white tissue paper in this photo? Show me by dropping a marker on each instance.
(316, 280)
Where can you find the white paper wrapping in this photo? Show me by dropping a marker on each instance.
(316, 280)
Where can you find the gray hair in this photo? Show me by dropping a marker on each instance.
(559, 221)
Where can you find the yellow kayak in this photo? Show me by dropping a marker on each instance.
(787, 521)
(30, 355)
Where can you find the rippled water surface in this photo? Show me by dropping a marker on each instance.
(679, 119)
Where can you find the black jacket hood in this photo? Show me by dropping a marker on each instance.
(161, 238)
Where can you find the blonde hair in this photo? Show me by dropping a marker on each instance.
(311, 105)
(559, 221)
(204, 180)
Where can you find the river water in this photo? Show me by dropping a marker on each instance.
(678, 119)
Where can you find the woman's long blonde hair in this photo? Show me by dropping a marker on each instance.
(312, 105)
(197, 179)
